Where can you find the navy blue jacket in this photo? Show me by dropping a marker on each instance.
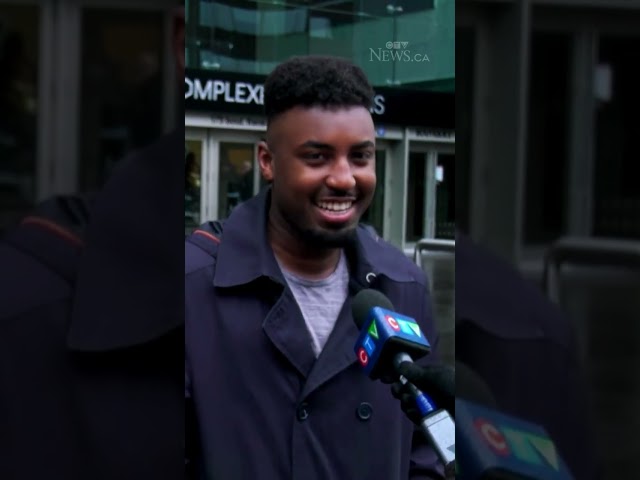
(265, 407)
(91, 333)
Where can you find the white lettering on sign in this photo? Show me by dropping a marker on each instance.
(427, 134)
(229, 92)
(243, 92)
(218, 88)
(241, 122)
(378, 105)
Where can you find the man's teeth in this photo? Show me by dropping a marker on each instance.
(335, 206)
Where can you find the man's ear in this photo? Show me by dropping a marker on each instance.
(265, 160)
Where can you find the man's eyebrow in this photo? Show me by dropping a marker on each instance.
(365, 144)
(326, 146)
(318, 145)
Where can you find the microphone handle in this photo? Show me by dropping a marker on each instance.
(436, 424)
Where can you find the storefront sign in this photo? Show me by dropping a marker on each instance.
(243, 123)
(432, 135)
(224, 92)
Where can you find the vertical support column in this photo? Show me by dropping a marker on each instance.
(580, 201)
(398, 179)
(67, 92)
(46, 101)
(211, 156)
(431, 159)
(499, 138)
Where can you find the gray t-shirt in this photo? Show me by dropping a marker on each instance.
(320, 301)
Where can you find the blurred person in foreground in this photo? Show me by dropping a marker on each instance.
(271, 373)
(523, 348)
(91, 326)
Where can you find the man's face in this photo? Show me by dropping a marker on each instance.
(322, 166)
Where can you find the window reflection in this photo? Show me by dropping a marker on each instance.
(236, 176)
(253, 37)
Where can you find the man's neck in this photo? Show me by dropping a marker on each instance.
(301, 259)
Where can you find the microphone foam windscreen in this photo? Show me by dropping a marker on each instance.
(364, 301)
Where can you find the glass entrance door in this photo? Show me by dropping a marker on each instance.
(237, 178)
(221, 171)
(445, 219)
(430, 193)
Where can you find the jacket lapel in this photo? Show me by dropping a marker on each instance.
(337, 354)
(287, 331)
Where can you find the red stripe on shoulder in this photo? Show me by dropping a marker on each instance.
(54, 228)
(208, 235)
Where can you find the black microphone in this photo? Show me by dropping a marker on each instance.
(388, 339)
(496, 446)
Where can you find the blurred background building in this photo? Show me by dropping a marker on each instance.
(82, 82)
(407, 50)
(546, 128)
(547, 95)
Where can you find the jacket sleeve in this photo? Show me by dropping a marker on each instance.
(424, 463)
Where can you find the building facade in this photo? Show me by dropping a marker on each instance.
(546, 122)
(406, 50)
(83, 82)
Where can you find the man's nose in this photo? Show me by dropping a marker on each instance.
(341, 175)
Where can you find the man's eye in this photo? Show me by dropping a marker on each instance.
(316, 156)
(365, 155)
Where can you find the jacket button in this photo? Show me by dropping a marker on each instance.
(302, 412)
(364, 411)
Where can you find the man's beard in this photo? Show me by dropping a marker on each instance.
(327, 238)
(324, 239)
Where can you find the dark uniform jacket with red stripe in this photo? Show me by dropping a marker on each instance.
(265, 407)
(91, 330)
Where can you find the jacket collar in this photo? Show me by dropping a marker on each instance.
(129, 288)
(246, 255)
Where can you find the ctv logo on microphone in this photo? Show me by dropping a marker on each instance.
(385, 331)
(527, 447)
(408, 327)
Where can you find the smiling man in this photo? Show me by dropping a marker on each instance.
(270, 369)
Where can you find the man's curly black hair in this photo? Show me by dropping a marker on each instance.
(315, 80)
